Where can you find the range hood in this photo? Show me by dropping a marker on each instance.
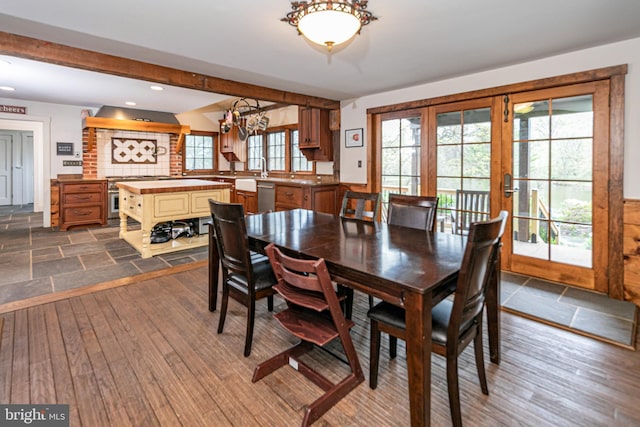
(117, 113)
(129, 119)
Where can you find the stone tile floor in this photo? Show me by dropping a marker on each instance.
(581, 311)
(36, 261)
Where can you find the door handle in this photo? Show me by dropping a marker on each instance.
(508, 183)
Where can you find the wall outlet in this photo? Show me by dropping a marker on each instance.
(359, 163)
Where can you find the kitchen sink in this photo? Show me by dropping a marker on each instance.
(246, 184)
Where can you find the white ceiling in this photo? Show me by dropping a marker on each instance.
(413, 42)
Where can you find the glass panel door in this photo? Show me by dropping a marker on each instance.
(555, 173)
(552, 170)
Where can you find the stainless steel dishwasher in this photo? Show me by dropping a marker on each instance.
(266, 196)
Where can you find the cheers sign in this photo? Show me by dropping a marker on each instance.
(13, 109)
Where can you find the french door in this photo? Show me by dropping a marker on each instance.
(541, 155)
(554, 184)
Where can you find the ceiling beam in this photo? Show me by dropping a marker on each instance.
(53, 53)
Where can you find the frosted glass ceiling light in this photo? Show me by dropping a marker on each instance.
(329, 23)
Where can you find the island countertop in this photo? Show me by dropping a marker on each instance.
(171, 186)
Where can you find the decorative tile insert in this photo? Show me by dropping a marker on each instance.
(128, 150)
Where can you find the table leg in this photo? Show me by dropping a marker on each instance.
(214, 270)
(493, 313)
(418, 321)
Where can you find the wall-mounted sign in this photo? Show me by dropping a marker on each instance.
(72, 163)
(64, 148)
(13, 109)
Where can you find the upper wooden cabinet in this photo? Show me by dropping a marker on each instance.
(231, 147)
(315, 137)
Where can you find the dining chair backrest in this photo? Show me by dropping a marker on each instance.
(417, 212)
(360, 206)
(231, 237)
(478, 262)
(471, 206)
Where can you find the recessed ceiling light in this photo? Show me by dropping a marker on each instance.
(157, 88)
(131, 103)
(7, 88)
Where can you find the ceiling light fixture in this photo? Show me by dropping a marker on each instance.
(329, 22)
(130, 103)
(7, 88)
(158, 88)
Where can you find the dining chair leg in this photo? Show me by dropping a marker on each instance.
(479, 352)
(347, 303)
(374, 355)
(454, 391)
(223, 308)
(251, 314)
(393, 346)
(270, 302)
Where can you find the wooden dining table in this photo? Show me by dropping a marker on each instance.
(409, 268)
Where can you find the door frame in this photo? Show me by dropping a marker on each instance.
(40, 126)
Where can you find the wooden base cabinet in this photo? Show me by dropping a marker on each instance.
(82, 202)
(249, 201)
(320, 198)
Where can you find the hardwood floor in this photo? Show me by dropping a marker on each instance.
(148, 354)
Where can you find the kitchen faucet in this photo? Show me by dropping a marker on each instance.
(263, 168)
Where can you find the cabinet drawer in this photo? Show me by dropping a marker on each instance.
(290, 195)
(79, 198)
(131, 204)
(82, 214)
(83, 188)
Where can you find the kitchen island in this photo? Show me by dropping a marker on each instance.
(153, 202)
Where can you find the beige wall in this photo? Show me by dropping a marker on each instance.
(353, 112)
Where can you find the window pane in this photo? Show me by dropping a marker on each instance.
(531, 121)
(391, 133)
(449, 128)
(199, 152)
(531, 159)
(572, 117)
(477, 125)
(449, 160)
(254, 152)
(569, 157)
(476, 160)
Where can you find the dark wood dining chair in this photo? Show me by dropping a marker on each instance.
(313, 314)
(246, 276)
(471, 206)
(361, 206)
(417, 212)
(455, 324)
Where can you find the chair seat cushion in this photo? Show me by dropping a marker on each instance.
(262, 272)
(390, 314)
(395, 316)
